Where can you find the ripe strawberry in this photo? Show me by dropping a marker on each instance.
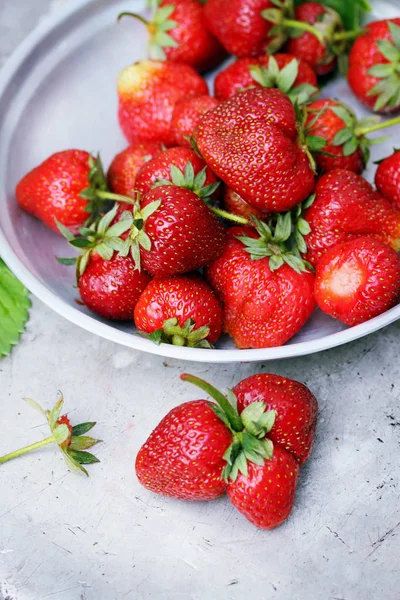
(251, 143)
(179, 166)
(177, 33)
(266, 292)
(295, 406)
(66, 188)
(346, 206)
(373, 66)
(172, 231)
(293, 77)
(126, 165)
(181, 310)
(148, 92)
(387, 178)
(237, 206)
(347, 144)
(358, 280)
(187, 115)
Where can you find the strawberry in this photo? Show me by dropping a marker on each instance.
(181, 310)
(266, 290)
(293, 403)
(126, 165)
(66, 187)
(387, 178)
(177, 33)
(148, 92)
(358, 280)
(186, 116)
(347, 206)
(374, 59)
(251, 142)
(347, 144)
(236, 205)
(179, 166)
(172, 231)
(294, 77)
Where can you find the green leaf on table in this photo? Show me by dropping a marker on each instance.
(352, 11)
(14, 305)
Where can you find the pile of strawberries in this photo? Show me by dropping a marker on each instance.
(243, 211)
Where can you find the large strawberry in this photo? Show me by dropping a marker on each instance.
(345, 207)
(374, 60)
(347, 144)
(126, 165)
(181, 310)
(251, 141)
(66, 187)
(267, 292)
(148, 91)
(294, 77)
(187, 115)
(358, 280)
(387, 178)
(177, 32)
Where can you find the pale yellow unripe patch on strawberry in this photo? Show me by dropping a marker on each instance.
(134, 79)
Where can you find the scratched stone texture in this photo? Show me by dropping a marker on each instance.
(68, 538)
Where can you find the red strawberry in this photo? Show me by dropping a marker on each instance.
(180, 310)
(148, 92)
(187, 115)
(180, 166)
(236, 205)
(251, 143)
(177, 32)
(295, 406)
(358, 280)
(294, 77)
(347, 145)
(347, 206)
(64, 188)
(387, 178)
(126, 165)
(373, 66)
(173, 231)
(266, 301)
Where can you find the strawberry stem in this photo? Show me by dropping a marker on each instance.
(135, 16)
(347, 35)
(116, 197)
(305, 27)
(365, 130)
(229, 216)
(49, 440)
(233, 417)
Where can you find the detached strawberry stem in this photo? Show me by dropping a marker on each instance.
(305, 27)
(347, 35)
(50, 440)
(383, 125)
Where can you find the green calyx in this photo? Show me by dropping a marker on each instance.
(188, 180)
(283, 79)
(158, 28)
(249, 429)
(387, 90)
(282, 239)
(278, 34)
(71, 440)
(187, 335)
(97, 205)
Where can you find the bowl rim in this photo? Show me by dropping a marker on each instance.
(134, 341)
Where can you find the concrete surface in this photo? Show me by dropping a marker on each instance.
(68, 538)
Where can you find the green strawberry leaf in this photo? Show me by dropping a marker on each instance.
(82, 428)
(14, 305)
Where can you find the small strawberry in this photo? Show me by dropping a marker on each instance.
(374, 61)
(181, 310)
(70, 439)
(148, 92)
(66, 187)
(358, 280)
(347, 144)
(179, 166)
(264, 286)
(235, 204)
(177, 33)
(251, 142)
(187, 115)
(126, 165)
(387, 178)
(346, 206)
(293, 77)
(295, 406)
